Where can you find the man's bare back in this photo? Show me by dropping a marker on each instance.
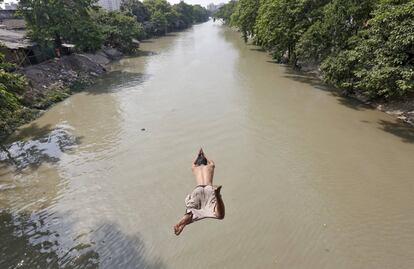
(204, 173)
(204, 179)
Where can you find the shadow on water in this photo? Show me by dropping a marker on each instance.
(35, 145)
(399, 129)
(257, 49)
(116, 80)
(28, 241)
(403, 130)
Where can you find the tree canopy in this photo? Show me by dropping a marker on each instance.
(56, 20)
(226, 11)
(137, 9)
(380, 60)
(364, 47)
(88, 26)
(119, 31)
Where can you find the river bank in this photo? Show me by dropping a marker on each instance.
(54, 80)
(402, 109)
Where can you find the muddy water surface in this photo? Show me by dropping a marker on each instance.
(310, 180)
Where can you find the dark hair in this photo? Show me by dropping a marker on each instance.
(201, 160)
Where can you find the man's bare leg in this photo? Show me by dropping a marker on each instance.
(219, 209)
(179, 227)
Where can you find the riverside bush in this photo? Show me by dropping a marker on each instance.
(12, 86)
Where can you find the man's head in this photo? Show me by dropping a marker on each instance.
(201, 159)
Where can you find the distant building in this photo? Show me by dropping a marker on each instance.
(212, 7)
(10, 6)
(110, 4)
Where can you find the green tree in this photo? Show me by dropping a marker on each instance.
(382, 62)
(200, 14)
(185, 12)
(173, 20)
(157, 5)
(160, 23)
(119, 30)
(158, 10)
(281, 23)
(225, 11)
(136, 8)
(60, 21)
(332, 29)
(244, 16)
(12, 87)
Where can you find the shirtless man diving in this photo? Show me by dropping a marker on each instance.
(205, 201)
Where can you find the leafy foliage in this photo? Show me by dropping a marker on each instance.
(200, 14)
(226, 11)
(382, 62)
(335, 23)
(12, 86)
(159, 16)
(69, 20)
(280, 25)
(84, 24)
(244, 16)
(185, 12)
(137, 9)
(365, 47)
(119, 30)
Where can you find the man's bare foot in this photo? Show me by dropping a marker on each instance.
(186, 219)
(178, 228)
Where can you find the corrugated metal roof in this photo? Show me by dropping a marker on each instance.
(15, 40)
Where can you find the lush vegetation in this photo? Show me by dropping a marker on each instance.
(365, 47)
(12, 86)
(84, 24)
(62, 21)
(226, 11)
(119, 31)
(159, 17)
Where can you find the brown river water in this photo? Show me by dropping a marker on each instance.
(310, 179)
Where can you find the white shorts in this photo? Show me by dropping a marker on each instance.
(201, 202)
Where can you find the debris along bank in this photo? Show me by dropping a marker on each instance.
(54, 80)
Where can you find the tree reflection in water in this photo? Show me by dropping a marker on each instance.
(25, 243)
(27, 240)
(47, 147)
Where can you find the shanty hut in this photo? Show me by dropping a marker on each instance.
(18, 49)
